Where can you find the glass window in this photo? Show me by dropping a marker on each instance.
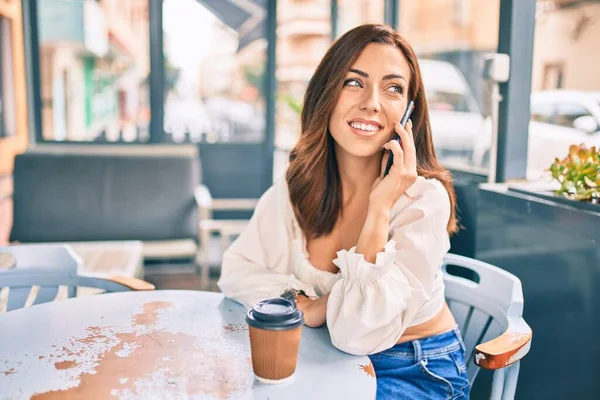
(440, 100)
(352, 13)
(565, 72)
(2, 57)
(215, 60)
(94, 67)
(542, 112)
(303, 37)
(566, 113)
(451, 39)
(553, 76)
(7, 90)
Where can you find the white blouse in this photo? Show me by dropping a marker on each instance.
(370, 305)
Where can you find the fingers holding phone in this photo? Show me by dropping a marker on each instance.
(407, 142)
(393, 146)
(400, 125)
(403, 151)
(387, 189)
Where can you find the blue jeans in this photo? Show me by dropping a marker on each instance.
(430, 368)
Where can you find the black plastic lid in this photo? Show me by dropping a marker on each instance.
(275, 314)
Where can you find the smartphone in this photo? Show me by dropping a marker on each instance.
(409, 109)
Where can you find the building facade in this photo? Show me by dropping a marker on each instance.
(94, 63)
(14, 133)
(13, 92)
(565, 40)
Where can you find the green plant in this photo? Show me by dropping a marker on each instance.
(293, 103)
(579, 174)
(254, 75)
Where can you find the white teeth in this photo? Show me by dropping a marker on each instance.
(364, 127)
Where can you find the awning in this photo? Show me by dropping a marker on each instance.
(246, 17)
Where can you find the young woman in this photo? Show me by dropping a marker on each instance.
(358, 250)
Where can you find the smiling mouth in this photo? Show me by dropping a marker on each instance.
(363, 129)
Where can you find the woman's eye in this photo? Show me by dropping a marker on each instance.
(352, 83)
(396, 89)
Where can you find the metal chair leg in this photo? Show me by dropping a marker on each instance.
(204, 264)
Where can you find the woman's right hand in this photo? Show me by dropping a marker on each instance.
(387, 190)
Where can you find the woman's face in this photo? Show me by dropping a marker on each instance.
(374, 96)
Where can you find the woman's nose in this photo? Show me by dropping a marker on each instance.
(370, 101)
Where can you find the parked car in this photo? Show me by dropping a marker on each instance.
(559, 118)
(456, 119)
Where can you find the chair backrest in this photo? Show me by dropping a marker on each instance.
(481, 298)
(49, 256)
(66, 193)
(39, 274)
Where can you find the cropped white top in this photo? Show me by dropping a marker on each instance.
(370, 305)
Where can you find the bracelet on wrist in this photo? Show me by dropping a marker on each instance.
(292, 294)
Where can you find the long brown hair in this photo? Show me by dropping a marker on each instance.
(313, 177)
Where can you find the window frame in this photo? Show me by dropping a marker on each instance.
(157, 74)
(3, 132)
(516, 28)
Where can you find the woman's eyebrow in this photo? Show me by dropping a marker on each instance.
(359, 72)
(394, 76)
(386, 77)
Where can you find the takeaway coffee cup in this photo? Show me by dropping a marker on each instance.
(275, 326)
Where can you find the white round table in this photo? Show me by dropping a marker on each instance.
(159, 345)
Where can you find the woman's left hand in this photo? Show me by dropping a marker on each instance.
(314, 310)
(387, 190)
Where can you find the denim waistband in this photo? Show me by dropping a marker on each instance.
(432, 346)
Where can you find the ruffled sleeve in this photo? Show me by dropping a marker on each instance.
(372, 305)
(256, 265)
